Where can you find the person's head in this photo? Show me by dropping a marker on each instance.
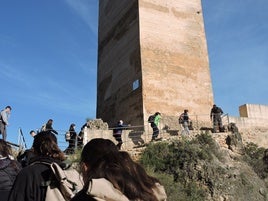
(93, 153)
(120, 122)
(157, 113)
(72, 126)
(185, 111)
(45, 144)
(214, 105)
(5, 149)
(8, 109)
(100, 158)
(32, 133)
(50, 121)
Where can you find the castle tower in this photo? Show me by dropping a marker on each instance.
(152, 56)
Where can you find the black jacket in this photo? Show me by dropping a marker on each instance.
(29, 184)
(82, 196)
(8, 172)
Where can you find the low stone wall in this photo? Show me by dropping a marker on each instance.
(131, 138)
(254, 111)
(253, 129)
(248, 122)
(251, 115)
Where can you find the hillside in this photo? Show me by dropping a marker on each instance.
(216, 167)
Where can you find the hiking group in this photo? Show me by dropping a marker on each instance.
(43, 171)
(186, 122)
(107, 174)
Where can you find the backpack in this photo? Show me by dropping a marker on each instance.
(218, 110)
(151, 118)
(183, 117)
(67, 136)
(60, 187)
(181, 120)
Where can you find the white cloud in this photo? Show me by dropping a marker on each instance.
(88, 11)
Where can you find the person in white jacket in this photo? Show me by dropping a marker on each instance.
(110, 174)
(4, 121)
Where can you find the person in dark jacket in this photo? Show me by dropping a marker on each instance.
(155, 124)
(9, 169)
(31, 182)
(25, 157)
(48, 127)
(215, 116)
(73, 140)
(117, 133)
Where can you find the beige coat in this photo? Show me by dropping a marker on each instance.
(103, 190)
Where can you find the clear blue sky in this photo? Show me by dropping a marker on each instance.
(48, 59)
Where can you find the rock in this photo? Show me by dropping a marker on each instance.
(97, 124)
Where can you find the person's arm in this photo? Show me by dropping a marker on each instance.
(211, 113)
(189, 119)
(181, 119)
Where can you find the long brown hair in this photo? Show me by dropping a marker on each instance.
(105, 161)
(45, 144)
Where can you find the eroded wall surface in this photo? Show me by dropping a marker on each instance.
(152, 57)
(174, 57)
(119, 70)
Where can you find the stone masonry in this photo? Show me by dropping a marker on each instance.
(152, 56)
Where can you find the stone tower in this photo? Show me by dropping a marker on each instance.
(152, 56)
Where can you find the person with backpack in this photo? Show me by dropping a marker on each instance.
(32, 181)
(154, 121)
(48, 127)
(4, 116)
(184, 120)
(215, 116)
(72, 139)
(110, 174)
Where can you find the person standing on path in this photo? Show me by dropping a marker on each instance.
(5, 113)
(155, 124)
(117, 133)
(215, 116)
(184, 120)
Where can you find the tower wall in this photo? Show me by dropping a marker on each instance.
(119, 65)
(152, 57)
(174, 57)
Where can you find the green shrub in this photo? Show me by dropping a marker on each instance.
(254, 157)
(176, 191)
(253, 151)
(175, 164)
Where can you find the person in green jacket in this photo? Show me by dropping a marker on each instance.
(155, 124)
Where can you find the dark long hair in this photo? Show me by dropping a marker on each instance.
(105, 161)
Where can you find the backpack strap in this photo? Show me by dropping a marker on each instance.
(59, 179)
(51, 180)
